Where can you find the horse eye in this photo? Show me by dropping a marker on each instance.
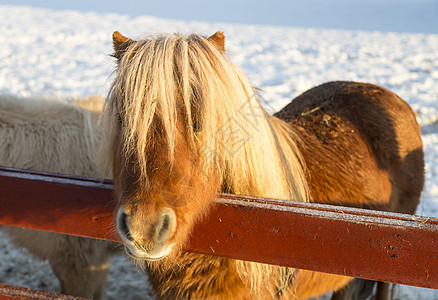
(196, 126)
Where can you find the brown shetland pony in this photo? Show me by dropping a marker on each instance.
(183, 123)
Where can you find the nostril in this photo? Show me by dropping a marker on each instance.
(166, 225)
(124, 227)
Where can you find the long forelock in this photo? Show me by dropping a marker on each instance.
(168, 76)
(158, 80)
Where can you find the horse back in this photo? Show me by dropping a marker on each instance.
(361, 144)
(50, 134)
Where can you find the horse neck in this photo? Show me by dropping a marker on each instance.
(273, 165)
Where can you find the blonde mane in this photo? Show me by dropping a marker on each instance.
(189, 80)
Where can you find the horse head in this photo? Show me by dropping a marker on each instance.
(161, 183)
(182, 122)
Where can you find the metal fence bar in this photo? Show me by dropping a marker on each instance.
(355, 242)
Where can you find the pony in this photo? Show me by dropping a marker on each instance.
(182, 123)
(62, 136)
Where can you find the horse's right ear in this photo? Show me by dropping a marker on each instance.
(120, 44)
(219, 40)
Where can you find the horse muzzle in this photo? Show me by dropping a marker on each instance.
(147, 242)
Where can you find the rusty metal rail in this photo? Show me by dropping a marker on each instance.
(340, 240)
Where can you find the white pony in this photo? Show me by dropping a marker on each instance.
(61, 136)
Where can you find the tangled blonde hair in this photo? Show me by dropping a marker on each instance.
(174, 78)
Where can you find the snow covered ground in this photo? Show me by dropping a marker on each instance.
(65, 53)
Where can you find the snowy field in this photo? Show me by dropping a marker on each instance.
(65, 53)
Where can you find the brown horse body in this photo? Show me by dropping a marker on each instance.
(353, 144)
(362, 146)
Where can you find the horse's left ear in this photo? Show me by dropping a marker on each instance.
(120, 44)
(219, 40)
